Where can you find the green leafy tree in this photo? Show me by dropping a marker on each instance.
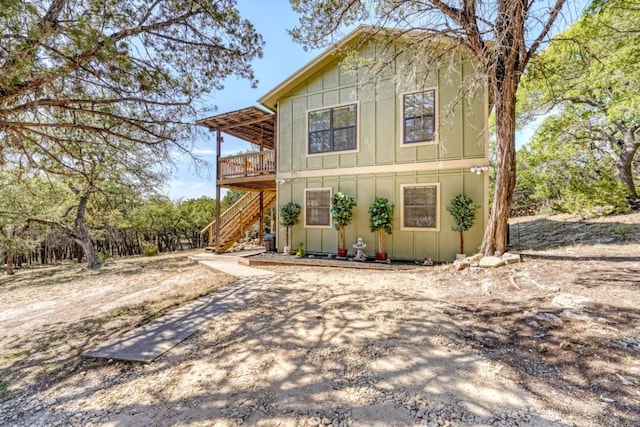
(557, 172)
(98, 95)
(500, 36)
(381, 220)
(92, 178)
(193, 216)
(230, 197)
(125, 72)
(157, 221)
(342, 214)
(587, 79)
(289, 216)
(463, 210)
(24, 199)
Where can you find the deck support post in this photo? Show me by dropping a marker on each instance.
(261, 230)
(217, 224)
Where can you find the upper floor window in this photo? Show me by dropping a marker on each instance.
(317, 207)
(419, 117)
(420, 207)
(333, 129)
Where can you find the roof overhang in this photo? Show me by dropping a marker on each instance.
(251, 124)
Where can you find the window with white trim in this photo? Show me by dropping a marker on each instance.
(333, 129)
(317, 207)
(419, 117)
(420, 206)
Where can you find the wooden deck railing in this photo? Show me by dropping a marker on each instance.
(247, 165)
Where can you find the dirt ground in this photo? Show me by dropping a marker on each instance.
(551, 341)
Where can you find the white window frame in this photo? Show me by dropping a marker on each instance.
(329, 153)
(435, 118)
(438, 206)
(307, 190)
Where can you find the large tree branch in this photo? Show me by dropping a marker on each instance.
(545, 30)
(89, 102)
(55, 225)
(585, 101)
(74, 62)
(43, 29)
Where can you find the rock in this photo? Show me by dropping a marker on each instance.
(570, 301)
(492, 262)
(577, 315)
(549, 317)
(326, 421)
(511, 258)
(461, 265)
(475, 258)
(314, 422)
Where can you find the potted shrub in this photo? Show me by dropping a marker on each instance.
(380, 222)
(289, 216)
(342, 214)
(463, 210)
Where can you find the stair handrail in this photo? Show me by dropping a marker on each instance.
(234, 227)
(234, 210)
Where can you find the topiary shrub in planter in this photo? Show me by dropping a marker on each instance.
(463, 210)
(342, 215)
(289, 216)
(381, 222)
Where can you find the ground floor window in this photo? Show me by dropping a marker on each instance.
(420, 207)
(317, 207)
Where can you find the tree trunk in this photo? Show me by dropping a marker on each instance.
(92, 257)
(81, 234)
(624, 164)
(79, 253)
(495, 236)
(380, 236)
(461, 243)
(10, 262)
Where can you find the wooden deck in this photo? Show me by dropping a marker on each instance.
(255, 171)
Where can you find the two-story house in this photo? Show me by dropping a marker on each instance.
(413, 141)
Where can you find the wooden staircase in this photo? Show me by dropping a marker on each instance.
(236, 220)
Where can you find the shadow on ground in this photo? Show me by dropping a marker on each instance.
(295, 353)
(545, 233)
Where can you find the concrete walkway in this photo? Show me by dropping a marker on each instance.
(149, 341)
(229, 263)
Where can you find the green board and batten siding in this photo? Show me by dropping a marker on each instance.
(381, 165)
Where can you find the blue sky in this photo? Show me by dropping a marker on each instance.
(281, 58)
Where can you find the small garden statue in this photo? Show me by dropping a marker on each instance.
(300, 252)
(359, 246)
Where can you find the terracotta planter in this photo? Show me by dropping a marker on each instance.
(342, 253)
(381, 256)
